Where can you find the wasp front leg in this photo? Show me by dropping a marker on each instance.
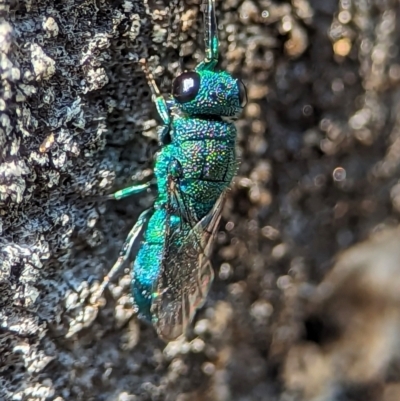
(163, 108)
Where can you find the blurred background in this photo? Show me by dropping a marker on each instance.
(305, 304)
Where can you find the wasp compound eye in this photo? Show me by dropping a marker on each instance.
(242, 93)
(186, 87)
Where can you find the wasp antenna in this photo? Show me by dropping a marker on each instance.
(210, 32)
(150, 78)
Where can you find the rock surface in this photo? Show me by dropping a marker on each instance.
(319, 144)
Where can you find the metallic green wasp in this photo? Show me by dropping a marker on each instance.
(172, 274)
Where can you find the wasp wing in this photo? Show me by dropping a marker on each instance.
(187, 274)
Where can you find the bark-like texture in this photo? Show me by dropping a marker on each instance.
(319, 148)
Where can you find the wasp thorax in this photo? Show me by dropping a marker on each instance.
(209, 93)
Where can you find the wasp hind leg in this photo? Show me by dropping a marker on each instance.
(124, 252)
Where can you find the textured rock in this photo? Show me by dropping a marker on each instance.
(319, 144)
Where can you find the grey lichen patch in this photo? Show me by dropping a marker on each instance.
(133, 32)
(5, 37)
(43, 65)
(12, 182)
(95, 74)
(51, 27)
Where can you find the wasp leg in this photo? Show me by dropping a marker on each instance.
(124, 252)
(122, 193)
(125, 192)
(162, 107)
(210, 36)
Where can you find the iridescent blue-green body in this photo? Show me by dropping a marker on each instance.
(172, 274)
(205, 152)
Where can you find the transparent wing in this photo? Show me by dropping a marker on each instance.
(187, 274)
